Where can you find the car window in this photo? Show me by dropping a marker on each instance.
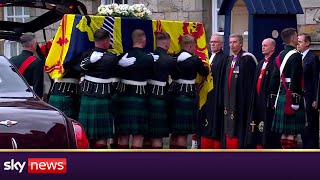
(11, 84)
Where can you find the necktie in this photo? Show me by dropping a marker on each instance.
(262, 72)
(231, 71)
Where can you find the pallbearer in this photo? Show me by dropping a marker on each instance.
(131, 117)
(184, 118)
(96, 91)
(158, 125)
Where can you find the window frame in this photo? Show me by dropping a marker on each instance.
(215, 18)
(7, 43)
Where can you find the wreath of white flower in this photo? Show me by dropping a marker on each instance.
(125, 10)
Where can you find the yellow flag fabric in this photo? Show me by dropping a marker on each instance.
(177, 29)
(75, 35)
(59, 48)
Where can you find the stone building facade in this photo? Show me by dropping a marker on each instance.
(204, 11)
(309, 22)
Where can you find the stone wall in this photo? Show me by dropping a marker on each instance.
(309, 22)
(181, 10)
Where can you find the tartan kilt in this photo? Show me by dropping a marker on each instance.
(96, 118)
(131, 115)
(170, 98)
(69, 105)
(158, 125)
(287, 124)
(184, 116)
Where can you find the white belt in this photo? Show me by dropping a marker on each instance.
(98, 80)
(116, 79)
(157, 83)
(67, 80)
(184, 81)
(288, 80)
(136, 83)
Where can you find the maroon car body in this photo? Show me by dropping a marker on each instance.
(28, 122)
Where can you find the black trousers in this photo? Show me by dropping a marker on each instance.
(310, 136)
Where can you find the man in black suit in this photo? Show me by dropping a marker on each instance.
(310, 137)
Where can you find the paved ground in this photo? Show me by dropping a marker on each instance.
(166, 142)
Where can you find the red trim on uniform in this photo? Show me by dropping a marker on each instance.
(209, 143)
(291, 144)
(26, 63)
(262, 73)
(230, 75)
(259, 147)
(233, 64)
(232, 143)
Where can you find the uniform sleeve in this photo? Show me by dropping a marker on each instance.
(85, 61)
(150, 62)
(172, 67)
(37, 78)
(315, 75)
(296, 73)
(203, 70)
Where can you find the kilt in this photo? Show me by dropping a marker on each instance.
(287, 124)
(96, 118)
(69, 105)
(158, 125)
(185, 115)
(170, 104)
(131, 115)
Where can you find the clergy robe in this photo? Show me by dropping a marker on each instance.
(261, 113)
(238, 90)
(212, 111)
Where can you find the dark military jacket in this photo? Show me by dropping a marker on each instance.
(188, 70)
(103, 69)
(34, 72)
(140, 71)
(162, 68)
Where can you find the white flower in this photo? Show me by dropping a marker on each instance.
(136, 10)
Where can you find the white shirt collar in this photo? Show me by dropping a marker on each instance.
(305, 53)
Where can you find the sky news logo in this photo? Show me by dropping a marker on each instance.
(38, 165)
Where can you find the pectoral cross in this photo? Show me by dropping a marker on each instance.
(252, 124)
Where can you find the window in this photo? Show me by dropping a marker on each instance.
(116, 1)
(218, 20)
(11, 84)
(16, 14)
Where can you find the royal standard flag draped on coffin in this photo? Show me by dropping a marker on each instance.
(75, 35)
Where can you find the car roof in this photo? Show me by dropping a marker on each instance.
(56, 10)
